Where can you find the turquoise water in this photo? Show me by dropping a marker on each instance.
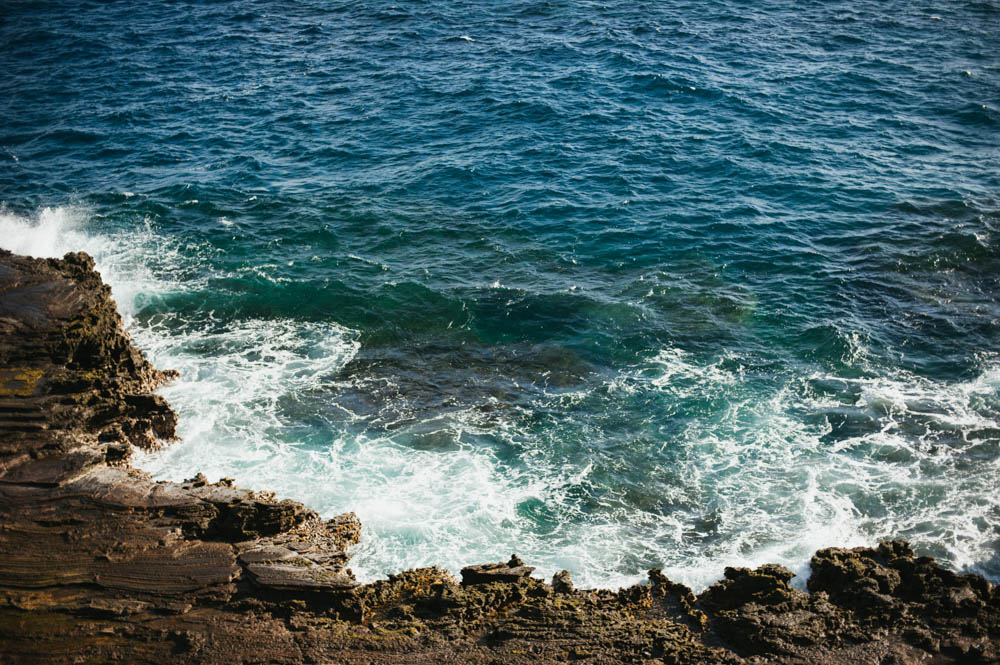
(611, 285)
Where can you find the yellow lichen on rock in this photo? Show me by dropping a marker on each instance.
(19, 381)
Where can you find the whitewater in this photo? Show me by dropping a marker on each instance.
(611, 286)
(762, 463)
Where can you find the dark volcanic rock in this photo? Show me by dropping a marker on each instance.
(889, 588)
(512, 571)
(561, 582)
(98, 563)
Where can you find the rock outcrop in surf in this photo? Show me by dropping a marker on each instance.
(100, 563)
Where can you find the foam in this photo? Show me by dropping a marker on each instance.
(740, 471)
(779, 487)
(49, 234)
(136, 263)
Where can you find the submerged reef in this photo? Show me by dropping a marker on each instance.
(100, 563)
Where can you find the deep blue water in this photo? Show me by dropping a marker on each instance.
(611, 285)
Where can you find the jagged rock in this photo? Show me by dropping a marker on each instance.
(561, 582)
(309, 557)
(889, 587)
(511, 572)
(757, 611)
(767, 585)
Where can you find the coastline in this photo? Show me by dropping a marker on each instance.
(99, 562)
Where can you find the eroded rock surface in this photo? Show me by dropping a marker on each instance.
(99, 563)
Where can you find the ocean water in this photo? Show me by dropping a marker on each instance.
(610, 285)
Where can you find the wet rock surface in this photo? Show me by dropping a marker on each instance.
(99, 563)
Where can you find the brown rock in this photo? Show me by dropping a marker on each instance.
(561, 582)
(511, 572)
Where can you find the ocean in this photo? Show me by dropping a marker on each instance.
(611, 285)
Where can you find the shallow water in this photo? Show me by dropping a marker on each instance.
(612, 285)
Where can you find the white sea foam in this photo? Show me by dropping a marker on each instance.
(51, 233)
(783, 487)
(239, 382)
(137, 264)
(741, 472)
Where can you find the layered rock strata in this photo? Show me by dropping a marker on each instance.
(99, 563)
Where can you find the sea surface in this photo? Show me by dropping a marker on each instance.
(611, 285)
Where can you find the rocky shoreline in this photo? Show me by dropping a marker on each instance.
(99, 563)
